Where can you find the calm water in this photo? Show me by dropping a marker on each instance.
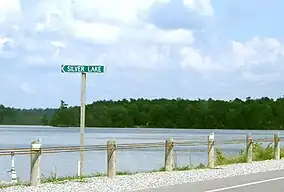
(66, 163)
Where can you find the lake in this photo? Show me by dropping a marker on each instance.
(131, 161)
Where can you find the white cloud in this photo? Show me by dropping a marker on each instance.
(201, 6)
(42, 35)
(155, 57)
(9, 10)
(27, 88)
(58, 44)
(258, 51)
(127, 11)
(257, 54)
(97, 32)
(196, 60)
(5, 41)
(179, 36)
(6, 45)
(242, 53)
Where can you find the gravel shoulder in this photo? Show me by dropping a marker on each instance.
(142, 181)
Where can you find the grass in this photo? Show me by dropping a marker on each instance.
(260, 153)
(182, 168)
(54, 179)
(19, 183)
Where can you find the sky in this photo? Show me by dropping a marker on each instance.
(151, 49)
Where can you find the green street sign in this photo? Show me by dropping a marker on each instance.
(82, 69)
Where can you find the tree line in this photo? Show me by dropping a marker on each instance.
(263, 113)
(14, 116)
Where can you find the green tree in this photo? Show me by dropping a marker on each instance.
(262, 113)
(44, 120)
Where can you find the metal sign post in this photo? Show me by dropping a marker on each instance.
(83, 69)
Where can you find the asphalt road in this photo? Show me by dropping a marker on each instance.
(271, 181)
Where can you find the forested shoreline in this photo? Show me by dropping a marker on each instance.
(15, 116)
(263, 113)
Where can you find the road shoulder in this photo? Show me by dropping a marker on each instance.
(223, 184)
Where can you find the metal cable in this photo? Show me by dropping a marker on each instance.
(121, 147)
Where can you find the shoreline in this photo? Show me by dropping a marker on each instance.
(145, 128)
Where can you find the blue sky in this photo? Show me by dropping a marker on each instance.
(151, 48)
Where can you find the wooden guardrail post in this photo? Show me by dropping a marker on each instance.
(111, 159)
(35, 163)
(169, 158)
(211, 150)
(277, 146)
(249, 147)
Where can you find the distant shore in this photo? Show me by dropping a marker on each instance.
(166, 128)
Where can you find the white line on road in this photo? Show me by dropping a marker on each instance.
(246, 184)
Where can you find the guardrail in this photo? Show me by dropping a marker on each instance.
(36, 150)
